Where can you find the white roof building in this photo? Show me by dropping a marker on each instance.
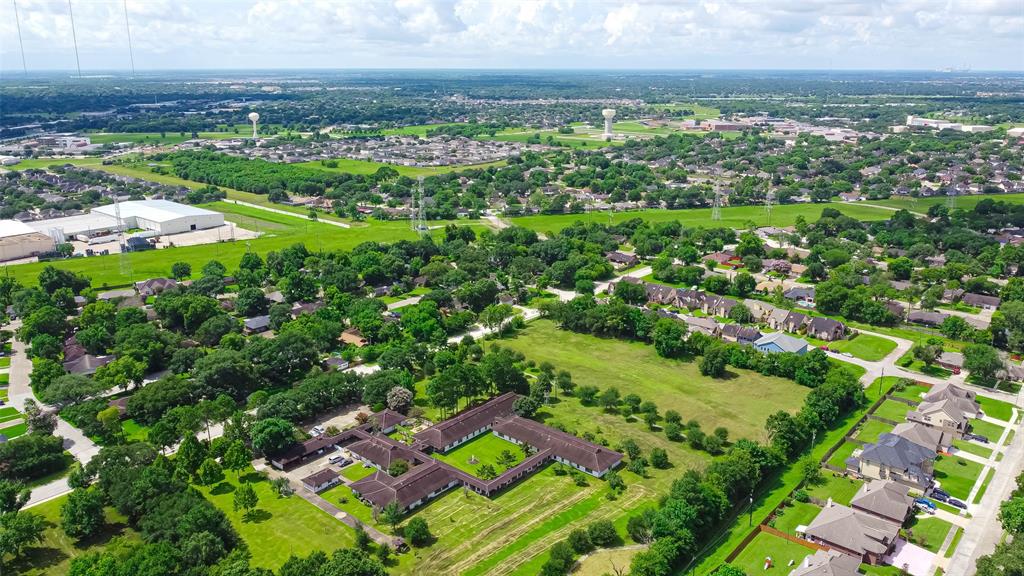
(19, 240)
(163, 216)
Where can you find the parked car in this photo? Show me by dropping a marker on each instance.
(336, 459)
(925, 503)
(317, 431)
(939, 494)
(956, 503)
(980, 438)
(824, 347)
(847, 354)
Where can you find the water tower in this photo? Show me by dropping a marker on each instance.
(608, 114)
(254, 117)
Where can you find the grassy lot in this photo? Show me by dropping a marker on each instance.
(838, 458)
(734, 216)
(872, 429)
(799, 514)
(992, 431)
(106, 270)
(956, 475)
(484, 449)
(350, 166)
(965, 202)
(912, 392)
(603, 562)
(14, 431)
(956, 540)
(357, 471)
(40, 163)
(927, 532)
(736, 402)
(976, 449)
(984, 486)
(865, 346)
(997, 409)
(893, 410)
(5, 361)
(840, 489)
(52, 557)
(343, 497)
(907, 361)
(765, 545)
(282, 525)
(700, 111)
(133, 431)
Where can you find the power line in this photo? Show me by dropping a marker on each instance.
(21, 43)
(128, 29)
(74, 38)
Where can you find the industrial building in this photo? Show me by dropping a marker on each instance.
(18, 240)
(157, 217)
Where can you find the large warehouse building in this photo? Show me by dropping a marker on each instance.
(18, 240)
(159, 216)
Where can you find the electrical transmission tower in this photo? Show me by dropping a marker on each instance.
(951, 199)
(417, 216)
(769, 199)
(716, 208)
(124, 259)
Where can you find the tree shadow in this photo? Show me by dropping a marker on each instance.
(222, 489)
(250, 477)
(258, 515)
(728, 375)
(38, 558)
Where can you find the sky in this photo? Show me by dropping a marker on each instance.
(572, 34)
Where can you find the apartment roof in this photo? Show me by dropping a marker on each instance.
(383, 451)
(413, 486)
(566, 446)
(444, 433)
(322, 477)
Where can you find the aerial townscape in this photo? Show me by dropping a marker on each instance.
(516, 288)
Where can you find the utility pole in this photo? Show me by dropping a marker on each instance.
(21, 43)
(74, 38)
(716, 208)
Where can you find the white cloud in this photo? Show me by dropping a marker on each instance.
(519, 33)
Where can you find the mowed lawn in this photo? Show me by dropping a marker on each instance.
(957, 475)
(865, 346)
(893, 410)
(732, 216)
(53, 556)
(840, 489)
(872, 429)
(784, 555)
(741, 402)
(997, 409)
(927, 532)
(282, 526)
(352, 166)
(484, 449)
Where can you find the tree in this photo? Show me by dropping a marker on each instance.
(743, 284)
(669, 338)
(659, 458)
(181, 270)
(210, 472)
(928, 352)
(397, 468)
(237, 457)
(251, 302)
(13, 496)
(417, 532)
(525, 406)
(82, 513)
(587, 394)
(18, 530)
(741, 314)
(495, 315)
(245, 499)
(486, 472)
(982, 361)
(579, 541)
(560, 560)
(714, 361)
(400, 399)
(392, 514)
(110, 420)
(901, 268)
(69, 389)
(271, 435)
(609, 399)
(631, 448)
(602, 533)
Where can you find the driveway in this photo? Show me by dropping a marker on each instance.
(915, 560)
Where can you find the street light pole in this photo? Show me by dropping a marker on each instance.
(750, 510)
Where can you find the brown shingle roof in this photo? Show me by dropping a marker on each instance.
(566, 446)
(466, 422)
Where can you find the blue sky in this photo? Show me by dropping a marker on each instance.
(682, 34)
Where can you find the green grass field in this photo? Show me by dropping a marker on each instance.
(351, 166)
(965, 202)
(732, 216)
(872, 429)
(736, 402)
(893, 410)
(764, 545)
(700, 111)
(927, 532)
(984, 485)
(357, 471)
(52, 557)
(976, 449)
(14, 431)
(603, 562)
(839, 488)
(956, 476)
(912, 392)
(992, 431)
(40, 163)
(799, 514)
(997, 409)
(484, 449)
(865, 346)
(838, 458)
(282, 526)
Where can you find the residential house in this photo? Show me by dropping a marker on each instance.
(826, 329)
(718, 305)
(87, 364)
(800, 294)
(660, 294)
(827, 563)
(932, 438)
(740, 334)
(895, 458)
(154, 286)
(951, 361)
(896, 309)
(965, 400)
(354, 337)
(943, 415)
(111, 295)
(621, 259)
(778, 266)
(690, 299)
(926, 317)
(256, 324)
(722, 258)
(707, 326)
(980, 301)
(760, 310)
(860, 535)
(777, 342)
(885, 499)
(951, 295)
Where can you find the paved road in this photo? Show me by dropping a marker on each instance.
(406, 302)
(287, 213)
